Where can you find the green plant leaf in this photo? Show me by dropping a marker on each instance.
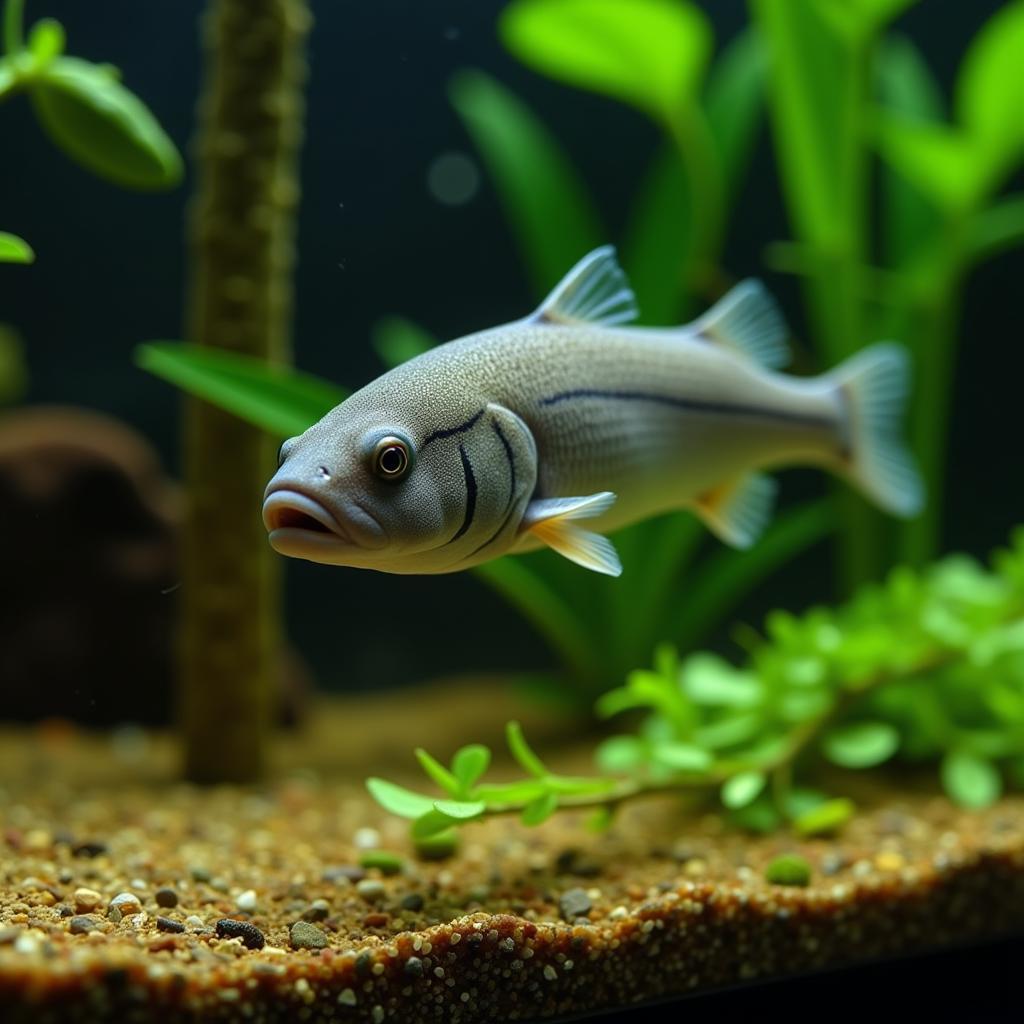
(14, 249)
(522, 751)
(861, 744)
(545, 200)
(939, 160)
(743, 789)
(396, 340)
(46, 41)
(432, 823)
(103, 126)
(282, 401)
(996, 228)
(443, 778)
(540, 809)
(13, 369)
(682, 757)
(825, 818)
(969, 780)
(621, 754)
(734, 101)
(649, 53)
(989, 95)
(711, 681)
(500, 793)
(399, 800)
(788, 869)
(460, 810)
(469, 763)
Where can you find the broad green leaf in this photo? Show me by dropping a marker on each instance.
(996, 228)
(103, 126)
(546, 202)
(990, 87)
(825, 818)
(499, 793)
(760, 816)
(397, 340)
(861, 744)
(432, 823)
(734, 101)
(621, 754)
(657, 252)
(14, 249)
(522, 751)
(905, 86)
(861, 19)
(443, 778)
(682, 757)
(649, 53)
(469, 763)
(46, 41)
(399, 800)
(460, 810)
(940, 161)
(743, 789)
(282, 401)
(712, 682)
(970, 781)
(540, 809)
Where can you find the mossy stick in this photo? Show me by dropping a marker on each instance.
(241, 246)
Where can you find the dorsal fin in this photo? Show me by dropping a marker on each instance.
(595, 291)
(748, 321)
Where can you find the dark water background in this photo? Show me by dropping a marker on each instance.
(372, 241)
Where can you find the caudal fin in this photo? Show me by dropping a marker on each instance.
(875, 385)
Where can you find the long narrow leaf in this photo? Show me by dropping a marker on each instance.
(545, 200)
(282, 401)
(725, 578)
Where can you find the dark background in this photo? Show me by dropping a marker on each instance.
(373, 241)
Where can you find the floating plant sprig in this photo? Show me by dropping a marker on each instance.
(926, 667)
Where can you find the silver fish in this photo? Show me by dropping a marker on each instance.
(509, 439)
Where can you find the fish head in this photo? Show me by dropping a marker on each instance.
(375, 487)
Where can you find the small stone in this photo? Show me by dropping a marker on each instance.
(367, 839)
(318, 910)
(307, 936)
(347, 997)
(371, 889)
(251, 936)
(9, 935)
(86, 900)
(166, 924)
(788, 869)
(888, 860)
(550, 973)
(413, 967)
(378, 919)
(82, 924)
(27, 944)
(247, 901)
(344, 873)
(413, 901)
(695, 867)
(126, 903)
(89, 849)
(195, 923)
(574, 903)
(199, 873)
(166, 898)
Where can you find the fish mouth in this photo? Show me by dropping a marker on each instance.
(301, 526)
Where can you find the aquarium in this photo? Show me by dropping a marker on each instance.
(510, 510)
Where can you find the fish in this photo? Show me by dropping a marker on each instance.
(559, 428)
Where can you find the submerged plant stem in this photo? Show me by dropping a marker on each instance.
(242, 247)
(14, 27)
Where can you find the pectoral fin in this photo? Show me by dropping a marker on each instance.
(738, 511)
(550, 520)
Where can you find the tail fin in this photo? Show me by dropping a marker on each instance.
(875, 384)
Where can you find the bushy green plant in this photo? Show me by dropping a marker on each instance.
(926, 668)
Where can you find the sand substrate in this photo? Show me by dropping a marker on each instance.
(127, 897)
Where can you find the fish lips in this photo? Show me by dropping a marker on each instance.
(301, 526)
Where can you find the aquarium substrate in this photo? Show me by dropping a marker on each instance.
(126, 896)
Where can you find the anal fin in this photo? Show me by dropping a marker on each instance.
(738, 511)
(551, 521)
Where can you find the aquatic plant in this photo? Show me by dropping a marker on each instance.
(84, 108)
(240, 302)
(925, 668)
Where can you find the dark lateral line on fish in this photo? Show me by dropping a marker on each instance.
(452, 431)
(690, 404)
(511, 462)
(467, 469)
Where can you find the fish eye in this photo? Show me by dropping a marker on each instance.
(391, 459)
